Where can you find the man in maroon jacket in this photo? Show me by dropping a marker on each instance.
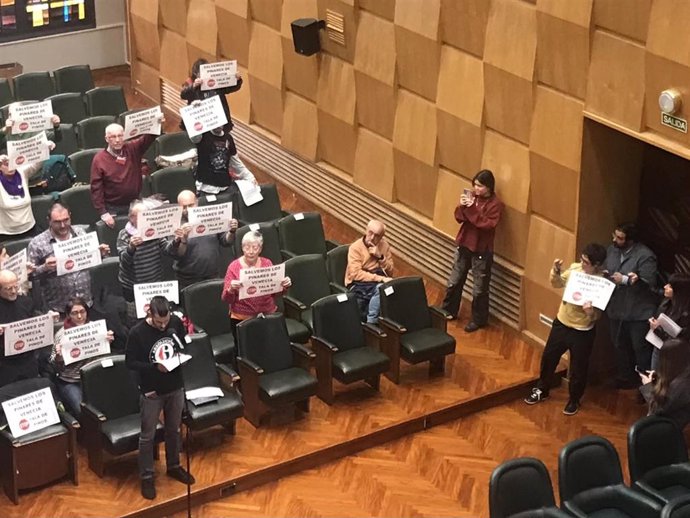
(116, 173)
(478, 213)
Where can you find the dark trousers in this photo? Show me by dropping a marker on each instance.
(481, 274)
(171, 405)
(631, 348)
(561, 339)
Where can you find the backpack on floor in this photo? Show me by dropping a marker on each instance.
(57, 174)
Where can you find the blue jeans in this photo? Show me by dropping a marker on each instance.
(172, 405)
(70, 393)
(374, 306)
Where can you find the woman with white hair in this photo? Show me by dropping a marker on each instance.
(252, 244)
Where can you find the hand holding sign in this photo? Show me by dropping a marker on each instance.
(218, 75)
(203, 116)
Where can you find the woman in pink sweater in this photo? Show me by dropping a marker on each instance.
(252, 244)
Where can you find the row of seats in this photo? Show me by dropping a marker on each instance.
(39, 85)
(590, 479)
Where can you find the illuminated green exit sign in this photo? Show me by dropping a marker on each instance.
(676, 123)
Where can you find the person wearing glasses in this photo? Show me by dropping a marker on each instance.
(572, 330)
(68, 377)
(369, 264)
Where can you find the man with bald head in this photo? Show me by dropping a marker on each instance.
(14, 307)
(369, 264)
(201, 259)
(116, 172)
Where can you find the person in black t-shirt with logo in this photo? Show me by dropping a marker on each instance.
(151, 341)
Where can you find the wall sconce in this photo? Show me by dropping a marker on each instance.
(670, 101)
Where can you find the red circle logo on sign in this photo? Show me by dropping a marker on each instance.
(200, 229)
(149, 232)
(20, 159)
(577, 296)
(133, 132)
(198, 126)
(69, 264)
(19, 345)
(24, 424)
(211, 83)
(75, 353)
(23, 126)
(251, 290)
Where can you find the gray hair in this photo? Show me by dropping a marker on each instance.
(253, 236)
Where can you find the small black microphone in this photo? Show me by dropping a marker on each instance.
(171, 333)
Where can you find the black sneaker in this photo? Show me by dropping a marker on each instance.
(472, 327)
(148, 488)
(537, 396)
(181, 475)
(571, 407)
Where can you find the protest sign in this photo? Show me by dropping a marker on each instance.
(251, 192)
(159, 222)
(261, 281)
(211, 219)
(17, 265)
(143, 122)
(27, 335)
(31, 412)
(31, 117)
(77, 253)
(82, 342)
(203, 116)
(582, 287)
(28, 151)
(218, 75)
(668, 328)
(143, 293)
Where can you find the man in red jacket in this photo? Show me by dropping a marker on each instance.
(478, 213)
(116, 173)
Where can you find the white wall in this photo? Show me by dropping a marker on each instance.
(104, 46)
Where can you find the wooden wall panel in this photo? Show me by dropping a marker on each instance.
(301, 73)
(554, 191)
(336, 89)
(146, 43)
(240, 101)
(233, 33)
(511, 236)
(383, 8)
(557, 127)
(461, 85)
(661, 74)
(350, 14)
(509, 162)
(376, 104)
(375, 48)
(174, 64)
(267, 12)
(374, 168)
(460, 144)
(337, 142)
(266, 55)
(415, 128)
(668, 20)
(448, 191)
(578, 13)
(145, 9)
(635, 23)
(463, 24)
(415, 183)
(419, 76)
(615, 88)
(266, 105)
(294, 9)
(173, 15)
(509, 102)
(539, 299)
(419, 16)
(194, 53)
(202, 29)
(511, 37)
(545, 243)
(146, 79)
(300, 126)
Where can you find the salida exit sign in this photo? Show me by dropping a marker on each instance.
(676, 123)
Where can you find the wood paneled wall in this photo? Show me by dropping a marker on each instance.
(426, 92)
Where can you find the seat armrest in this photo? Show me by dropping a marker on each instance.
(287, 254)
(199, 329)
(250, 365)
(302, 350)
(322, 343)
(647, 490)
(285, 212)
(337, 288)
(228, 371)
(373, 330)
(7, 435)
(438, 310)
(92, 412)
(392, 325)
(330, 245)
(294, 303)
(69, 420)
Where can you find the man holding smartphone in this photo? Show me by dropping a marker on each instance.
(478, 212)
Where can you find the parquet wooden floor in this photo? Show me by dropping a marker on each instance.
(441, 471)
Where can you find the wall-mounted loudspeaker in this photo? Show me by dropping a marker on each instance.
(305, 35)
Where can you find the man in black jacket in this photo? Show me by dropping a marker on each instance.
(150, 342)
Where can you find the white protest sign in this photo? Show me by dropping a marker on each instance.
(28, 151)
(77, 253)
(582, 287)
(31, 412)
(203, 116)
(159, 222)
(261, 281)
(82, 342)
(143, 122)
(28, 334)
(143, 293)
(218, 75)
(668, 326)
(211, 219)
(251, 192)
(31, 117)
(17, 265)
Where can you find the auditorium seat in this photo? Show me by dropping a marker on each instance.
(6, 95)
(39, 207)
(340, 344)
(33, 86)
(170, 144)
(416, 331)
(68, 143)
(81, 164)
(170, 181)
(13, 246)
(109, 235)
(273, 371)
(104, 278)
(68, 106)
(105, 100)
(658, 459)
(678, 508)
(91, 131)
(522, 488)
(336, 264)
(309, 284)
(73, 78)
(590, 482)
(271, 248)
(267, 209)
(78, 199)
(302, 234)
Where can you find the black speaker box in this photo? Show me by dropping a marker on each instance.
(305, 35)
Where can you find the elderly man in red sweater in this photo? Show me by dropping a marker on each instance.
(478, 212)
(116, 172)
